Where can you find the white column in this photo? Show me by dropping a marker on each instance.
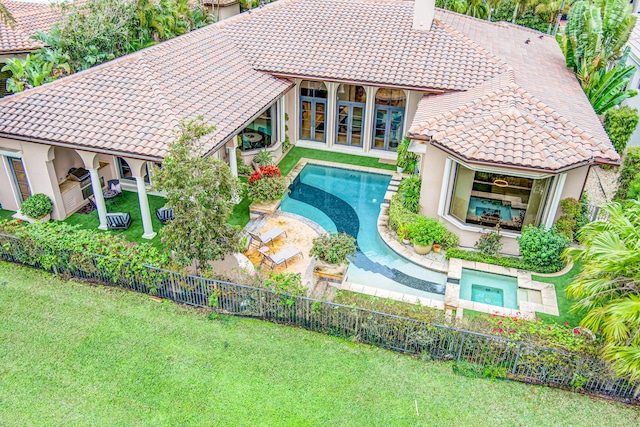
(232, 161)
(330, 120)
(553, 208)
(99, 198)
(368, 118)
(144, 209)
(444, 188)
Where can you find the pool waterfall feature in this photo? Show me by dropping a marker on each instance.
(349, 201)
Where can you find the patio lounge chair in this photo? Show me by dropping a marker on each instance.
(118, 221)
(164, 215)
(280, 257)
(267, 237)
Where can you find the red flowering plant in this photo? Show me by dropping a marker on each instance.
(266, 184)
(541, 333)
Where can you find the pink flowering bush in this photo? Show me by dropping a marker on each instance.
(544, 334)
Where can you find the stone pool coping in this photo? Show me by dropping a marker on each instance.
(527, 309)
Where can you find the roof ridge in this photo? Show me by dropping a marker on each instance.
(158, 92)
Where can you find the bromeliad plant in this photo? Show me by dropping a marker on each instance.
(266, 184)
(333, 248)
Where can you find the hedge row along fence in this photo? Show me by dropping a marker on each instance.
(502, 357)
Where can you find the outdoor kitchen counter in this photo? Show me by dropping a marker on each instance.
(67, 185)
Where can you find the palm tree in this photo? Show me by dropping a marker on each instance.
(5, 16)
(609, 283)
(477, 9)
(553, 9)
(491, 5)
(520, 7)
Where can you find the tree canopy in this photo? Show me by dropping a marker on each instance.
(609, 283)
(201, 190)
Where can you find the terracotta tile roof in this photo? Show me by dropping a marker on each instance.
(132, 104)
(543, 90)
(30, 18)
(359, 40)
(501, 123)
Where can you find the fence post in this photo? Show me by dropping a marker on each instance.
(515, 364)
(461, 345)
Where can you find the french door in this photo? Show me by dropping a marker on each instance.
(349, 123)
(387, 127)
(313, 117)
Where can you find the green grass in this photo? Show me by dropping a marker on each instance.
(296, 153)
(75, 354)
(564, 302)
(129, 204)
(5, 214)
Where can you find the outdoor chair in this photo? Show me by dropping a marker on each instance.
(280, 257)
(118, 221)
(114, 185)
(164, 215)
(266, 238)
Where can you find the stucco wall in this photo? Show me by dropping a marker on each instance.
(573, 186)
(223, 12)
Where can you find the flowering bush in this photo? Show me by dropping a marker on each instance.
(266, 184)
(333, 248)
(489, 243)
(544, 334)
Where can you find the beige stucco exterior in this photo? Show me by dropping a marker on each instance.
(438, 171)
(227, 11)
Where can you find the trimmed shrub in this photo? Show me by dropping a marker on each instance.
(630, 175)
(504, 261)
(37, 206)
(575, 216)
(620, 123)
(540, 247)
(409, 193)
(399, 217)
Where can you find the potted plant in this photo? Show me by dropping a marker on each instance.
(406, 160)
(37, 208)
(262, 159)
(403, 234)
(331, 251)
(422, 233)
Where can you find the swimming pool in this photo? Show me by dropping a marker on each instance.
(349, 201)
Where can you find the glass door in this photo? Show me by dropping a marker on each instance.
(312, 119)
(20, 177)
(387, 132)
(349, 126)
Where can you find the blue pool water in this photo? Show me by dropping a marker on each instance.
(349, 201)
(489, 288)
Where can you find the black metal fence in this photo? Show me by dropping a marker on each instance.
(496, 356)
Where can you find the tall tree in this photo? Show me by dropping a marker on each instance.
(609, 283)
(200, 189)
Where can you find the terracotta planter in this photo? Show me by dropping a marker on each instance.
(436, 247)
(333, 273)
(422, 250)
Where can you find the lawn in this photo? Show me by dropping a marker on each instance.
(76, 354)
(564, 302)
(296, 153)
(129, 204)
(5, 214)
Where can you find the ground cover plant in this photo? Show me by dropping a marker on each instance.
(630, 176)
(81, 354)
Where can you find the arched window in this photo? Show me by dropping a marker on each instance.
(350, 110)
(125, 170)
(313, 110)
(389, 117)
